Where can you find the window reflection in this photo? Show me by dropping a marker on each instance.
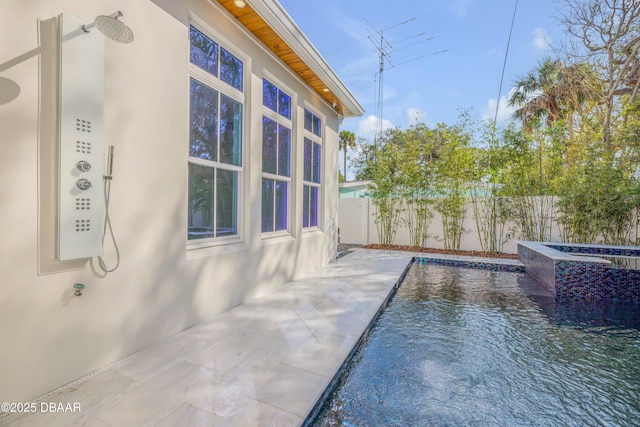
(226, 202)
(230, 69)
(281, 206)
(313, 207)
(203, 51)
(312, 170)
(269, 145)
(315, 176)
(316, 126)
(312, 123)
(308, 159)
(275, 99)
(200, 214)
(308, 120)
(230, 131)
(269, 95)
(204, 121)
(284, 144)
(284, 105)
(267, 205)
(310, 206)
(305, 206)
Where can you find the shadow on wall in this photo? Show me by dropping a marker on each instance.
(10, 90)
(331, 242)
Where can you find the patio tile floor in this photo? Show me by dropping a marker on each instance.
(263, 363)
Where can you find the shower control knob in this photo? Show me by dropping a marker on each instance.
(83, 184)
(83, 166)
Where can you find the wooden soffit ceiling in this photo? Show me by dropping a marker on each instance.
(267, 35)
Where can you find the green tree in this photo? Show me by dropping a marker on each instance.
(606, 33)
(552, 92)
(364, 162)
(346, 141)
(526, 176)
(385, 170)
(454, 171)
(420, 153)
(490, 211)
(536, 96)
(402, 169)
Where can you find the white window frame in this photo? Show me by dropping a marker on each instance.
(319, 185)
(288, 123)
(223, 88)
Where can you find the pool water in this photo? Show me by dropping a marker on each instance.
(460, 346)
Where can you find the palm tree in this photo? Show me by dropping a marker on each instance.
(553, 91)
(534, 97)
(347, 140)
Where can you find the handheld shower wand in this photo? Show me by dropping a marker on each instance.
(107, 220)
(109, 162)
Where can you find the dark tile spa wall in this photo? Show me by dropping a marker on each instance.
(581, 279)
(596, 282)
(539, 266)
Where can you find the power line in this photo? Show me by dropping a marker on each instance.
(504, 65)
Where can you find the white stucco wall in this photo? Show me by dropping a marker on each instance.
(48, 336)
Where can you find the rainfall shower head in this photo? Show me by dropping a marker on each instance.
(111, 27)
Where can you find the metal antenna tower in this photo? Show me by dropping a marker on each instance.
(380, 92)
(385, 50)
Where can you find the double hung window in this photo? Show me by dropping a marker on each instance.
(312, 169)
(276, 158)
(215, 139)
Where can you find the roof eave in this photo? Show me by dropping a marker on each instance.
(283, 25)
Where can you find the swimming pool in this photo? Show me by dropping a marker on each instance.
(460, 346)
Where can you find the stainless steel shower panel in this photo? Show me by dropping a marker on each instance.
(80, 141)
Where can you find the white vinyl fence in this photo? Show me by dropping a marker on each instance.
(356, 222)
(353, 220)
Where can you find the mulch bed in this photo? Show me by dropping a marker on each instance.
(442, 251)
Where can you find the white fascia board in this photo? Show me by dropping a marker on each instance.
(280, 21)
(365, 185)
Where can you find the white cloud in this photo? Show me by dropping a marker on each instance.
(367, 127)
(541, 40)
(415, 115)
(505, 111)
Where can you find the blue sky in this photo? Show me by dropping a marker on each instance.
(432, 89)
